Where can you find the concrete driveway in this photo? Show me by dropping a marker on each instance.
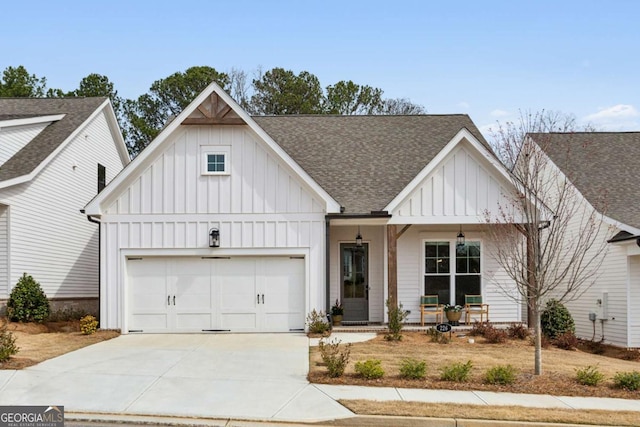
(246, 376)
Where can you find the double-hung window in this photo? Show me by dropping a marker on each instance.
(451, 270)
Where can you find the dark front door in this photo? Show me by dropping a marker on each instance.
(354, 266)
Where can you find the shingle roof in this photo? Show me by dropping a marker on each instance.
(76, 111)
(363, 162)
(600, 164)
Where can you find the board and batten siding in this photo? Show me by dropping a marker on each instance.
(50, 238)
(411, 273)
(14, 138)
(460, 187)
(261, 208)
(375, 236)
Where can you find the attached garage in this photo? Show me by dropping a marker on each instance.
(215, 294)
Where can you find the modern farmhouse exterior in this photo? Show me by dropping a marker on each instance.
(600, 165)
(228, 222)
(54, 155)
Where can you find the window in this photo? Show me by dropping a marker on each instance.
(215, 160)
(102, 177)
(439, 279)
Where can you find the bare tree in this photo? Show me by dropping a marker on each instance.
(549, 240)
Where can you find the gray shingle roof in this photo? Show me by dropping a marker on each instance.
(363, 162)
(600, 164)
(76, 111)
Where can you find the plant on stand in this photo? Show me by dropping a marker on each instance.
(337, 311)
(453, 313)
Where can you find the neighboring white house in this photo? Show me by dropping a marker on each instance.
(601, 166)
(53, 154)
(228, 222)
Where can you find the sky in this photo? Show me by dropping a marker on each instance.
(489, 59)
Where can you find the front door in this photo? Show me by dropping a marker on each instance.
(355, 281)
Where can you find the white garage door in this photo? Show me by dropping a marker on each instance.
(239, 294)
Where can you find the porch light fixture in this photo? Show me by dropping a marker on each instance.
(359, 239)
(460, 239)
(214, 238)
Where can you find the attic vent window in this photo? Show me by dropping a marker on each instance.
(215, 160)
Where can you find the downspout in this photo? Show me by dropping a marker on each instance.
(95, 221)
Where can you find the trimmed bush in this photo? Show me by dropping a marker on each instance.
(627, 380)
(27, 302)
(7, 344)
(566, 341)
(518, 331)
(556, 319)
(317, 322)
(458, 372)
(495, 336)
(397, 316)
(631, 354)
(333, 357)
(88, 325)
(437, 336)
(501, 374)
(370, 369)
(413, 369)
(479, 328)
(590, 376)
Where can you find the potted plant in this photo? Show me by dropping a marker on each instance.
(336, 313)
(453, 313)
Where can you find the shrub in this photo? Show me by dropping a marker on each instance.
(397, 316)
(627, 380)
(66, 314)
(501, 374)
(7, 344)
(589, 376)
(333, 357)
(518, 331)
(437, 336)
(556, 319)
(629, 354)
(544, 341)
(317, 322)
(566, 341)
(88, 325)
(458, 372)
(495, 336)
(27, 302)
(413, 369)
(370, 369)
(479, 328)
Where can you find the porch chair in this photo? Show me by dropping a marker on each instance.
(473, 305)
(429, 305)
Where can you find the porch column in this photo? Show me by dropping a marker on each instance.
(392, 264)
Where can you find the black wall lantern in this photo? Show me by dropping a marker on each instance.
(460, 239)
(359, 239)
(214, 238)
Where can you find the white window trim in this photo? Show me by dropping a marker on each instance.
(206, 150)
(452, 265)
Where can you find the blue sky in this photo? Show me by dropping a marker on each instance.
(488, 59)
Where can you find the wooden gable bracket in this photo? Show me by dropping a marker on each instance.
(213, 111)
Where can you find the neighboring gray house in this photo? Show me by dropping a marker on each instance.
(228, 222)
(601, 166)
(53, 154)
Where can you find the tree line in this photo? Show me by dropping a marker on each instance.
(274, 92)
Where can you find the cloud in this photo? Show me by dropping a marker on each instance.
(499, 113)
(615, 118)
(463, 104)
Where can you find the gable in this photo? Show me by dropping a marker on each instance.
(175, 183)
(14, 138)
(460, 188)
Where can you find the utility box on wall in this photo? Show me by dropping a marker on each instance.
(602, 304)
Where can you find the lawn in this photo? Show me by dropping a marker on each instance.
(39, 342)
(559, 366)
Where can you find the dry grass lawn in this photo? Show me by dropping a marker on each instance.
(558, 366)
(39, 342)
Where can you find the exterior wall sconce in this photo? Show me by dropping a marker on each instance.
(460, 239)
(214, 238)
(359, 239)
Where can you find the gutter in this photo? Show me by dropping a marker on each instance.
(95, 221)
